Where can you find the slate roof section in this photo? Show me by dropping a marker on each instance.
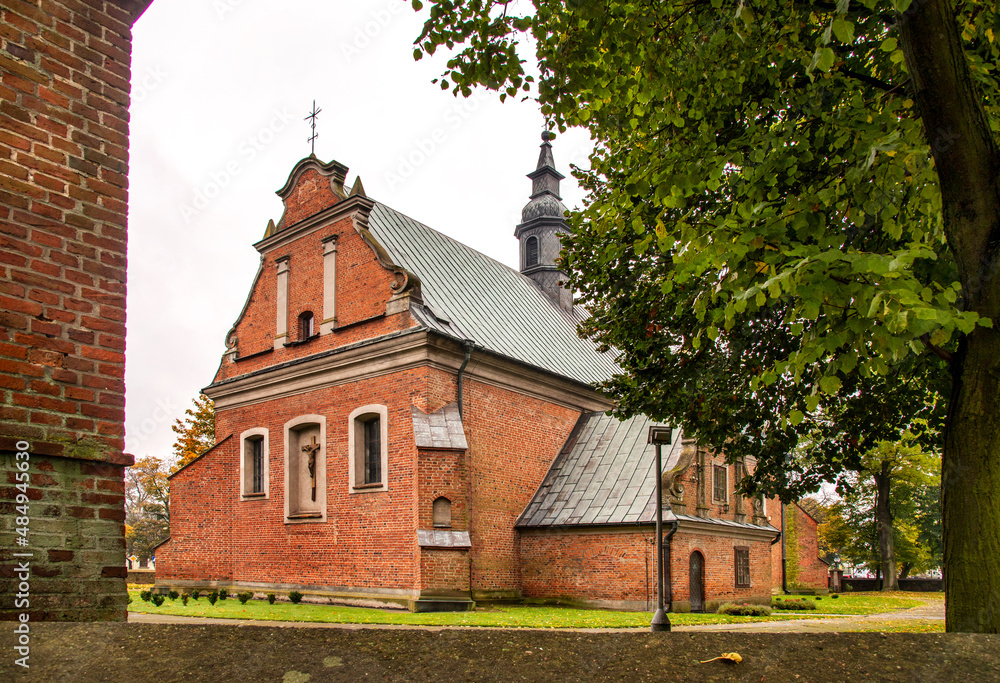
(441, 429)
(443, 539)
(603, 475)
(468, 295)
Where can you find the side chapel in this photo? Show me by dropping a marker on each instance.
(401, 419)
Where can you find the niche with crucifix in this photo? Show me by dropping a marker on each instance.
(305, 469)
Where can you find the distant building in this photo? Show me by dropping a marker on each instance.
(804, 568)
(401, 419)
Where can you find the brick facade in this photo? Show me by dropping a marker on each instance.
(804, 567)
(64, 95)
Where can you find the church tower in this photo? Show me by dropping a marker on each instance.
(542, 225)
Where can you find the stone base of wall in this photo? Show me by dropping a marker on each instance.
(75, 541)
(712, 605)
(319, 595)
(143, 576)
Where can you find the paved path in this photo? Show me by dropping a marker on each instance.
(931, 611)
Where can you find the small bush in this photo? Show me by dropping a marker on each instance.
(174, 595)
(270, 598)
(223, 594)
(834, 596)
(819, 597)
(185, 598)
(295, 597)
(213, 596)
(146, 595)
(158, 600)
(744, 610)
(244, 596)
(195, 595)
(130, 599)
(793, 604)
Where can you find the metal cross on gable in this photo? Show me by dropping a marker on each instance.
(312, 118)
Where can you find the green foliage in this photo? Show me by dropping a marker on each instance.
(196, 432)
(270, 598)
(146, 595)
(173, 595)
(157, 599)
(791, 546)
(213, 597)
(744, 610)
(195, 594)
(147, 507)
(793, 604)
(184, 599)
(246, 595)
(223, 594)
(295, 597)
(835, 596)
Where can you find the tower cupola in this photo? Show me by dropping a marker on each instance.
(542, 225)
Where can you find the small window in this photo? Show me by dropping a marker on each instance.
(305, 325)
(253, 463)
(442, 512)
(719, 484)
(531, 252)
(742, 567)
(373, 451)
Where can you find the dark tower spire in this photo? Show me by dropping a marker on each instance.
(542, 224)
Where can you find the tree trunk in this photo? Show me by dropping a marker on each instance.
(967, 158)
(883, 522)
(905, 571)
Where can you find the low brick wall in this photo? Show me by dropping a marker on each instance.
(919, 585)
(76, 541)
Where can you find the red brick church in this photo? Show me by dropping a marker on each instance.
(403, 420)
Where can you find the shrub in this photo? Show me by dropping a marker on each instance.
(195, 595)
(270, 598)
(213, 596)
(184, 599)
(244, 596)
(145, 595)
(744, 610)
(795, 605)
(295, 597)
(223, 594)
(158, 600)
(819, 597)
(130, 599)
(834, 596)
(174, 595)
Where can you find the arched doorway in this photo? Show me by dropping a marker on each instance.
(696, 577)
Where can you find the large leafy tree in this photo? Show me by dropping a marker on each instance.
(793, 203)
(196, 432)
(147, 506)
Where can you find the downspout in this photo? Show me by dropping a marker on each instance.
(467, 345)
(668, 588)
(784, 558)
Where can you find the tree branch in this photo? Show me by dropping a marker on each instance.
(937, 350)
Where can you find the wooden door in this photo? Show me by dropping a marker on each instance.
(696, 575)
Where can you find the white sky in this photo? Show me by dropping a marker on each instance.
(223, 86)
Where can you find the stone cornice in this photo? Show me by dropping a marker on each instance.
(342, 209)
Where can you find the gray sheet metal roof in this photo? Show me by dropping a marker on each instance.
(440, 429)
(470, 296)
(604, 475)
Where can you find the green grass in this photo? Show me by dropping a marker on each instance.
(865, 603)
(513, 616)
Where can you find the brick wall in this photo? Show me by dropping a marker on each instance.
(805, 569)
(64, 94)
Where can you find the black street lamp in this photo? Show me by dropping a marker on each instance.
(659, 436)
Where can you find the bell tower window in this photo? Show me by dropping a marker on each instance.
(531, 252)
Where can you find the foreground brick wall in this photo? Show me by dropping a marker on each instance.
(64, 94)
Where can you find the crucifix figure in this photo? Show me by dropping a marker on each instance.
(312, 449)
(312, 117)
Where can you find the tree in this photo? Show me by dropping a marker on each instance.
(795, 203)
(147, 506)
(196, 433)
(886, 518)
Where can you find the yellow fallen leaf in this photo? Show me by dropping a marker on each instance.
(728, 657)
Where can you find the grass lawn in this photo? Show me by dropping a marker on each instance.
(512, 616)
(862, 603)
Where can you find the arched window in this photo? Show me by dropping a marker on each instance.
(531, 252)
(305, 325)
(442, 512)
(368, 454)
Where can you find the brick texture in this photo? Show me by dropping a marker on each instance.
(64, 96)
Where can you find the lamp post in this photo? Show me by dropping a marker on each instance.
(659, 436)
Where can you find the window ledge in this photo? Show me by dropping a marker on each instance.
(306, 515)
(255, 495)
(368, 487)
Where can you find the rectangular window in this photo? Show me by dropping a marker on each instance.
(257, 459)
(373, 451)
(742, 567)
(719, 484)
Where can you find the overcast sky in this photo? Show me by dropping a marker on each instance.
(220, 92)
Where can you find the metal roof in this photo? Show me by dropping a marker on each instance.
(604, 475)
(468, 295)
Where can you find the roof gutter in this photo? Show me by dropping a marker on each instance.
(468, 345)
